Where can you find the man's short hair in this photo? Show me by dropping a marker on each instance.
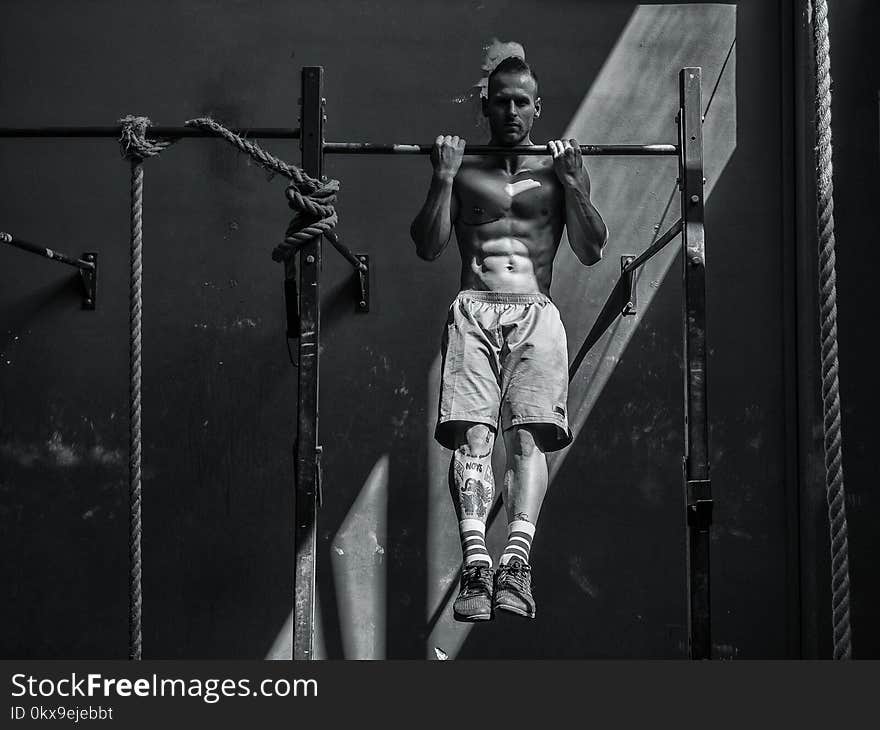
(512, 64)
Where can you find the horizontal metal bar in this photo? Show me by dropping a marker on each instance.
(48, 253)
(368, 148)
(345, 148)
(154, 131)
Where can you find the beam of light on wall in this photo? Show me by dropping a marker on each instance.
(357, 555)
(633, 100)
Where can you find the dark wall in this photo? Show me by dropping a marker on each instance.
(219, 393)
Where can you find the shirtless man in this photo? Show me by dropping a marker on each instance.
(505, 355)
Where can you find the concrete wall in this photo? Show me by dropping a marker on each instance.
(220, 394)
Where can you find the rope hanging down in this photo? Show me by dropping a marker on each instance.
(834, 489)
(136, 147)
(314, 215)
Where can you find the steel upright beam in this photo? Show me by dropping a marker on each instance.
(308, 452)
(698, 492)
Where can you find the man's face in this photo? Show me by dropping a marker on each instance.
(511, 107)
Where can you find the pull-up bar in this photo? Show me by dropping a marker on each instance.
(367, 148)
(332, 148)
(309, 453)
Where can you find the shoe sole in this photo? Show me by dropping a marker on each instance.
(474, 618)
(514, 609)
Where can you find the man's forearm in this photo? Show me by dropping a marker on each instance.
(432, 227)
(587, 232)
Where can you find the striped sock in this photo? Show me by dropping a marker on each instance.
(519, 541)
(473, 542)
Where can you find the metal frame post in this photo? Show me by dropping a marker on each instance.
(698, 490)
(307, 452)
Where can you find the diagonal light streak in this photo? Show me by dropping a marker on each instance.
(358, 561)
(357, 555)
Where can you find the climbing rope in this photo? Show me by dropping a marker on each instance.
(136, 147)
(828, 310)
(314, 215)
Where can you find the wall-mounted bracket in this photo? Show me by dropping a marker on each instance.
(363, 275)
(89, 279)
(629, 290)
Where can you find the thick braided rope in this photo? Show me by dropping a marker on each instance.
(834, 488)
(312, 200)
(136, 147)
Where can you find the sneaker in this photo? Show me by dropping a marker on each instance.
(513, 589)
(474, 602)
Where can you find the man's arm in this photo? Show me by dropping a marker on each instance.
(432, 227)
(587, 232)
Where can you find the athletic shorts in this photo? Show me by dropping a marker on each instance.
(505, 363)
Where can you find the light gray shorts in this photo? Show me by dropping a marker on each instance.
(505, 362)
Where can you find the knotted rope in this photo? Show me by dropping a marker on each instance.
(834, 489)
(136, 147)
(312, 200)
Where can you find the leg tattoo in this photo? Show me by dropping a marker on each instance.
(473, 488)
(473, 483)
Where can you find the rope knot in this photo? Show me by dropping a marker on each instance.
(312, 200)
(133, 139)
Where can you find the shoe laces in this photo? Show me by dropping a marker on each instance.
(477, 578)
(516, 574)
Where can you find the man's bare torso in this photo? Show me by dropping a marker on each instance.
(508, 225)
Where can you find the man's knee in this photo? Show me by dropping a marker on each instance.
(524, 441)
(477, 438)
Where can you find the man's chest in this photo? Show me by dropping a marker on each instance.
(527, 194)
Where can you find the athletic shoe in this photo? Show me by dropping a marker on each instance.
(474, 602)
(513, 589)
